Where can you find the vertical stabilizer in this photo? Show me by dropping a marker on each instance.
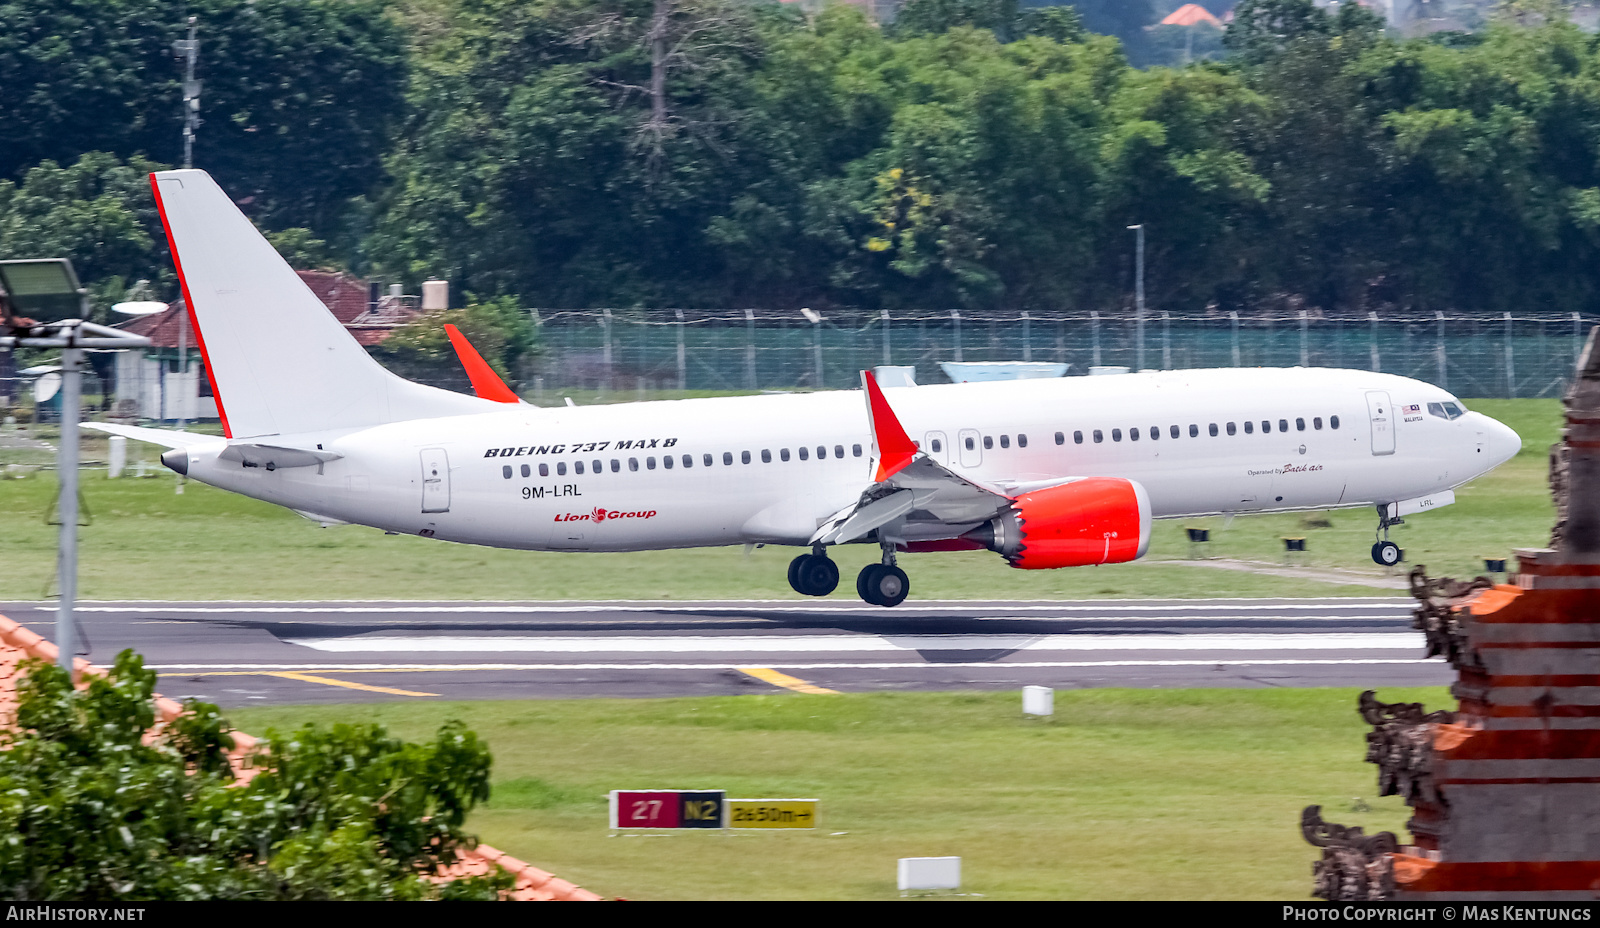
(279, 362)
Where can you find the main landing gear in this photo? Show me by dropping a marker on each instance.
(883, 584)
(1384, 551)
(814, 574)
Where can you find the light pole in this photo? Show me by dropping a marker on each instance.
(188, 50)
(31, 290)
(1138, 297)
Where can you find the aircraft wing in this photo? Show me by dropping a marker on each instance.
(914, 496)
(163, 437)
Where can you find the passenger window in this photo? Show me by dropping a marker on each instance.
(1098, 436)
(988, 442)
(1176, 433)
(1212, 429)
(806, 453)
(666, 461)
(597, 467)
(838, 451)
(1155, 432)
(1232, 429)
(1133, 434)
(727, 457)
(1249, 427)
(1194, 430)
(688, 460)
(616, 465)
(1005, 441)
(1266, 426)
(744, 457)
(650, 463)
(970, 445)
(506, 471)
(1061, 439)
(1283, 425)
(1300, 425)
(1116, 434)
(1316, 423)
(855, 451)
(822, 452)
(1333, 422)
(544, 470)
(561, 469)
(706, 459)
(577, 467)
(783, 454)
(1022, 440)
(526, 471)
(766, 456)
(1077, 438)
(633, 464)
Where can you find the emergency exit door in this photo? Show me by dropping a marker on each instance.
(435, 480)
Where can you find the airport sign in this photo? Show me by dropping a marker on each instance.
(772, 813)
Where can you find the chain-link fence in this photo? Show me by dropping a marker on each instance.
(624, 351)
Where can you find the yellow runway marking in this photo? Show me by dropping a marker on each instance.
(769, 675)
(311, 678)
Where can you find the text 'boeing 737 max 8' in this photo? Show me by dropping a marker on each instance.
(1049, 473)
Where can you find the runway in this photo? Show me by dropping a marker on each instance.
(260, 653)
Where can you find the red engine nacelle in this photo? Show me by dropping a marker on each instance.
(1096, 520)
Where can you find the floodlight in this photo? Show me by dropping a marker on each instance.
(41, 289)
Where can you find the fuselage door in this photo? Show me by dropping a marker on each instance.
(935, 445)
(435, 480)
(1381, 413)
(971, 447)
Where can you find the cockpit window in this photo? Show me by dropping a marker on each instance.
(1456, 410)
(1446, 410)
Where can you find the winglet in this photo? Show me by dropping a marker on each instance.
(485, 382)
(895, 447)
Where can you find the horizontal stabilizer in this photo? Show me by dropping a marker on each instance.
(162, 437)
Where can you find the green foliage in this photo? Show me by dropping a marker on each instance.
(299, 97)
(98, 211)
(94, 811)
(303, 250)
(500, 330)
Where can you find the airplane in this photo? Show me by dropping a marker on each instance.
(1047, 473)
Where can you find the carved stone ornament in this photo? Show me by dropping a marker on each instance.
(1437, 619)
(1355, 866)
(1401, 744)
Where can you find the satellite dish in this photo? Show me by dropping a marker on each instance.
(140, 308)
(47, 386)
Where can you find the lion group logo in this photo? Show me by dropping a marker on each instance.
(602, 514)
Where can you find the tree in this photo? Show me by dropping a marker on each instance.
(95, 811)
(299, 96)
(499, 330)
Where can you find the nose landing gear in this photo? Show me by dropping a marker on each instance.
(814, 574)
(1385, 552)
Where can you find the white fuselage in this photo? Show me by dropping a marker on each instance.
(597, 478)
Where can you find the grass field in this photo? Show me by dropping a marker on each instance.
(146, 542)
(1124, 794)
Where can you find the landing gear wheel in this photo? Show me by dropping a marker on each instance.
(883, 585)
(1386, 553)
(813, 575)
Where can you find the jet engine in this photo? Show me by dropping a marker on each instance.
(1096, 520)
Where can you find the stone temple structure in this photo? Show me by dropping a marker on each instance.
(1505, 791)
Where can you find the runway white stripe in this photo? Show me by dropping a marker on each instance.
(778, 644)
(1394, 609)
(901, 665)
